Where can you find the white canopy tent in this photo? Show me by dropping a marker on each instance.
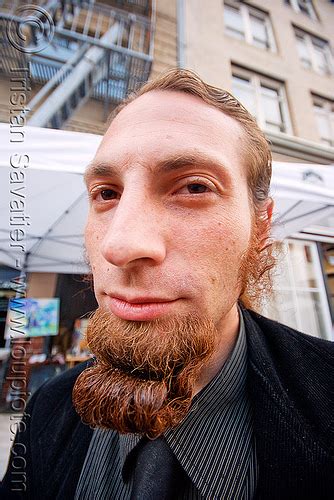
(304, 197)
(52, 198)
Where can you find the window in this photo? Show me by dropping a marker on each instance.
(264, 99)
(324, 116)
(303, 51)
(299, 299)
(234, 22)
(249, 24)
(304, 6)
(314, 52)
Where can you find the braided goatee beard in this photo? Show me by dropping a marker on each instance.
(144, 374)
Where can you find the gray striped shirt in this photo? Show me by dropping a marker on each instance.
(214, 443)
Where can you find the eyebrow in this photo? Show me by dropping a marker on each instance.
(164, 166)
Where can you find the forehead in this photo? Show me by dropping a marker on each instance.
(162, 124)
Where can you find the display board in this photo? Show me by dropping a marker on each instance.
(32, 318)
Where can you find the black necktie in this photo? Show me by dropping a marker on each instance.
(157, 475)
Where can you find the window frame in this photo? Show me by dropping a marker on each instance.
(327, 110)
(295, 289)
(313, 43)
(246, 11)
(257, 82)
(309, 7)
(233, 29)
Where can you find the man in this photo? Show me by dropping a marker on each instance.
(190, 394)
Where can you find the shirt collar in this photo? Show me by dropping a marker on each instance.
(220, 394)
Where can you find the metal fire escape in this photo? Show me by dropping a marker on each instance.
(98, 50)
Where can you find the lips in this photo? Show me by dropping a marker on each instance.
(139, 308)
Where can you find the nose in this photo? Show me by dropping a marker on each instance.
(134, 233)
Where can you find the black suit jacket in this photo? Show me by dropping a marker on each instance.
(290, 380)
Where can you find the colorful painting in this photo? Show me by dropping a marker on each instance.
(79, 344)
(32, 318)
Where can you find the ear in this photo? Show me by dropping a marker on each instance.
(266, 219)
(269, 208)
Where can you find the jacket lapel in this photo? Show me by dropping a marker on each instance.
(62, 448)
(292, 461)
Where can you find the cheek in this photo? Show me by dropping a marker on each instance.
(93, 239)
(216, 251)
(92, 235)
(224, 236)
(93, 244)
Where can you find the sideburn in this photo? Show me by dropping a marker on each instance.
(144, 374)
(256, 265)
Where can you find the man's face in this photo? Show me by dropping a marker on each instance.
(168, 237)
(170, 217)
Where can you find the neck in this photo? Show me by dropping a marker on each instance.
(228, 333)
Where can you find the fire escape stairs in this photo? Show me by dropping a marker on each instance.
(107, 52)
